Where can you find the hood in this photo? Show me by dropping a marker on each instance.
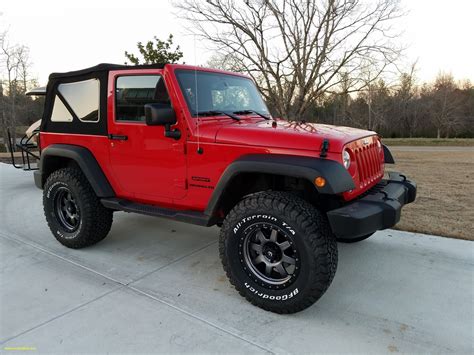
(288, 135)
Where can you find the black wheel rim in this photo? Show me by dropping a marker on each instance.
(66, 209)
(270, 256)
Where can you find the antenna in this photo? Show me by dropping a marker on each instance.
(196, 98)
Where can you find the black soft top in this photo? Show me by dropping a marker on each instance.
(103, 67)
(99, 72)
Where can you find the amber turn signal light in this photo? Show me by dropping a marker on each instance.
(320, 181)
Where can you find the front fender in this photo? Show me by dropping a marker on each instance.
(337, 177)
(388, 157)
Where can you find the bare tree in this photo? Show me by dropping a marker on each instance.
(406, 101)
(3, 116)
(225, 61)
(295, 49)
(22, 54)
(10, 65)
(14, 64)
(445, 105)
(378, 98)
(444, 108)
(339, 103)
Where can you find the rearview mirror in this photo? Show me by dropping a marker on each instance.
(159, 115)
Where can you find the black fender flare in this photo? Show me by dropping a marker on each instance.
(84, 159)
(337, 177)
(388, 157)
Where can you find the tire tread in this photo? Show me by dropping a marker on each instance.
(97, 219)
(318, 235)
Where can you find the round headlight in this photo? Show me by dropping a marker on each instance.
(346, 159)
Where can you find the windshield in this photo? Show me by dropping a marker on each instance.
(219, 92)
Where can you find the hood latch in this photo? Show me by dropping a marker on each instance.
(324, 148)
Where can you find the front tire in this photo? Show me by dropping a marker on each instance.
(74, 213)
(278, 251)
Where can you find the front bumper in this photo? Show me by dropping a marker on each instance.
(379, 208)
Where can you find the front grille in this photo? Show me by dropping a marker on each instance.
(369, 164)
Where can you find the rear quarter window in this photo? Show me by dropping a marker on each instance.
(79, 100)
(82, 98)
(60, 112)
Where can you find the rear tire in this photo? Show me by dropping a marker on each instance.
(354, 240)
(278, 251)
(74, 213)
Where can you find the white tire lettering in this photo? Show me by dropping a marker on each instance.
(271, 297)
(249, 218)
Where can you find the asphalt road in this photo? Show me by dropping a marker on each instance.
(406, 148)
(155, 285)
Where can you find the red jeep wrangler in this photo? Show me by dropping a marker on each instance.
(199, 146)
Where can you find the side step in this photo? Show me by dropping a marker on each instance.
(192, 217)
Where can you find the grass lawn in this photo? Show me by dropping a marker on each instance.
(465, 142)
(445, 201)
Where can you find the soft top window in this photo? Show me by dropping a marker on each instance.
(82, 97)
(60, 112)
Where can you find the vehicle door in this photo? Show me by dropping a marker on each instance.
(146, 165)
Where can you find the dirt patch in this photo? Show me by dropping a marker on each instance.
(445, 192)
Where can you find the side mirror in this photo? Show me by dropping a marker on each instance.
(159, 115)
(162, 115)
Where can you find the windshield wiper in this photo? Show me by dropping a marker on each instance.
(214, 113)
(247, 112)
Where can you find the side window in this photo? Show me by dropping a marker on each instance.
(82, 97)
(132, 93)
(60, 112)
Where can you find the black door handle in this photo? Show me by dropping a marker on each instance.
(118, 137)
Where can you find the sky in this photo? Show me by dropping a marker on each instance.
(68, 35)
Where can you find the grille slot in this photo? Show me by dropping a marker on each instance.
(368, 164)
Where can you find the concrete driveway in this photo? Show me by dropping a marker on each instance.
(155, 285)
